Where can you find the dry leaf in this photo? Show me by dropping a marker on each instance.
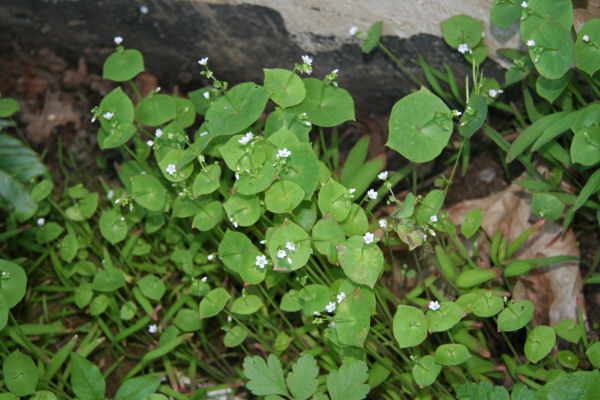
(56, 112)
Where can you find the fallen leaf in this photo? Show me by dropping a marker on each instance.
(56, 112)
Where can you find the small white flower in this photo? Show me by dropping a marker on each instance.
(315, 313)
(586, 38)
(263, 242)
(153, 328)
(117, 201)
(261, 261)
(158, 133)
(524, 4)
(306, 59)
(41, 221)
(383, 175)
(203, 61)
(424, 237)
(351, 190)
(290, 246)
(341, 297)
(203, 133)
(372, 194)
(108, 115)
(150, 143)
(463, 48)
(110, 194)
(330, 307)
(206, 95)
(353, 30)
(383, 223)
(332, 325)
(210, 257)
(530, 43)
(246, 138)
(143, 9)
(237, 176)
(433, 233)
(118, 40)
(433, 218)
(289, 260)
(186, 379)
(229, 319)
(143, 173)
(458, 113)
(493, 93)
(122, 218)
(284, 153)
(281, 254)
(434, 305)
(204, 278)
(369, 238)
(335, 71)
(171, 169)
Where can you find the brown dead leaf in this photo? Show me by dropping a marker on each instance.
(56, 112)
(75, 77)
(554, 289)
(146, 83)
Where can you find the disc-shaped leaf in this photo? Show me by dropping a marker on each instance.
(587, 52)
(568, 359)
(148, 192)
(138, 388)
(251, 273)
(287, 87)
(471, 224)
(8, 107)
(99, 304)
(467, 300)
(238, 109)
(302, 168)
(292, 240)
(444, 318)
(504, 13)
(593, 354)
(325, 105)
(361, 262)
(460, 29)
(187, 320)
(352, 320)
(539, 343)
(108, 280)
(128, 311)
(334, 198)
(420, 126)
(430, 206)
(314, 298)
(515, 316)
(473, 117)
(568, 330)
(373, 37)
(410, 326)
(487, 305)
(185, 112)
(13, 282)
(207, 180)
(209, 215)
(550, 89)
(117, 104)
(537, 11)
(356, 223)
(175, 166)
(152, 287)
(246, 305)
(213, 302)
(547, 206)
(113, 226)
(123, 65)
(553, 49)
(244, 210)
(116, 135)
(426, 370)
(232, 249)
(366, 293)
(451, 354)
(48, 232)
(283, 196)
(83, 294)
(235, 336)
(326, 235)
(3, 311)
(20, 374)
(291, 302)
(156, 109)
(257, 181)
(585, 147)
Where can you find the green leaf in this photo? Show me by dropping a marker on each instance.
(257, 181)
(287, 87)
(3, 311)
(520, 69)
(148, 192)
(20, 374)
(355, 160)
(426, 370)
(515, 316)
(361, 262)
(178, 158)
(283, 196)
(326, 235)
(585, 147)
(348, 382)
(113, 226)
(42, 190)
(235, 336)
(15, 194)
(185, 112)
(152, 287)
(281, 239)
(325, 105)
(587, 52)
(119, 105)
(356, 223)
(590, 187)
(574, 386)
(460, 29)
(420, 126)
(108, 280)
(504, 13)
(209, 216)
(314, 298)
(48, 232)
(517, 268)
(264, 378)
(474, 277)
(553, 49)
(187, 320)
(430, 206)
(540, 342)
(410, 326)
(471, 224)
(123, 65)
(156, 109)
(373, 37)
(550, 89)
(249, 271)
(207, 180)
(128, 311)
(291, 302)
(480, 391)
(213, 302)
(302, 380)
(232, 249)
(593, 354)
(473, 117)
(568, 359)
(487, 305)
(99, 305)
(137, 388)
(238, 109)
(334, 198)
(83, 294)
(13, 282)
(244, 210)
(538, 11)
(86, 380)
(246, 305)
(366, 174)
(8, 107)
(352, 320)
(201, 103)
(441, 320)
(451, 354)
(547, 206)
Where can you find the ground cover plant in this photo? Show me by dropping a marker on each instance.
(236, 255)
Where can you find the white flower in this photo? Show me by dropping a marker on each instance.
(143, 9)
(369, 238)
(206, 95)
(434, 305)
(372, 194)
(261, 261)
(330, 307)
(203, 61)
(150, 143)
(263, 242)
(335, 71)
(524, 4)
(229, 319)
(118, 40)
(186, 379)
(108, 115)
(493, 93)
(289, 260)
(433, 233)
(110, 194)
(351, 190)
(383, 175)
(246, 138)
(586, 38)
(290, 246)
(210, 257)
(153, 328)
(41, 221)
(530, 43)
(433, 218)
(283, 153)
(203, 133)
(306, 59)
(204, 278)
(383, 223)
(424, 237)
(353, 30)
(171, 169)
(117, 201)
(281, 254)
(341, 297)
(158, 133)
(463, 48)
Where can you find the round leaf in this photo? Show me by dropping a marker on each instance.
(185, 112)
(119, 105)
(539, 343)
(174, 166)
(123, 65)
(152, 287)
(373, 37)
(553, 49)
(243, 210)
(187, 320)
(128, 310)
(568, 330)
(113, 226)
(473, 117)
(504, 13)
(356, 223)
(426, 370)
(291, 302)
(441, 320)
(314, 298)
(471, 224)
(460, 29)
(209, 216)
(13, 282)
(99, 305)
(246, 305)
(83, 294)
(550, 89)
(249, 271)
(287, 87)
(235, 336)
(537, 11)
(156, 109)
(585, 147)
(20, 374)
(281, 239)
(108, 280)
(547, 206)
(283, 196)
(48, 232)
(410, 326)
(352, 320)
(148, 192)
(361, 262)
(8, 107)
(487, 305)
(593, 354)
(326, 235)
(207, 180)
(257, 181)
(334, 198)
(213, 302)
(568, 359)
(325, 105)
(451, 354)
(587, 52)
(515, 316)
(420, 126)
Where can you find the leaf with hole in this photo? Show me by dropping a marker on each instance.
(515, 316)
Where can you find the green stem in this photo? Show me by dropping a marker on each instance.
(400, 66)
